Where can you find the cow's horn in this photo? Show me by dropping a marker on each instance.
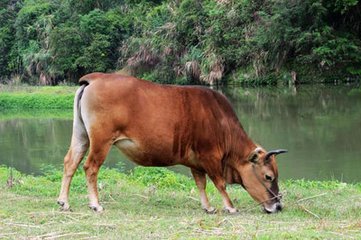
(275, 152)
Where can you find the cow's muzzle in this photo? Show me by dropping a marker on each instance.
(273, 208)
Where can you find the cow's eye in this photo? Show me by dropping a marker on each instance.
(268, 178)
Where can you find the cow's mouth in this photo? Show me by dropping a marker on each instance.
(273, 208)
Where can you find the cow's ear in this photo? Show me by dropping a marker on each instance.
(253, 158)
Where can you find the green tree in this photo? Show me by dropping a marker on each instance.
(190, 41)
(8, 11)
(66, 47)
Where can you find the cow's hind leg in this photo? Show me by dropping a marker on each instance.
(201, 181)
(79, 146)
(97, 154)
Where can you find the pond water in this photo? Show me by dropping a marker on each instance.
(320, 125)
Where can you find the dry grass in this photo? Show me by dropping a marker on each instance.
(135, 210)
(144, 56)
(193, 71)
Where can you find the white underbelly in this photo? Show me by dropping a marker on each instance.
(125, 143)
(128, 147)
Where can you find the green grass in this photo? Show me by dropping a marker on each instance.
(30, 97)
(155, 203)
(9, 114)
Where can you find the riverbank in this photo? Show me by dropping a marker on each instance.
(47, 99)
(36, 97)
(159, 204)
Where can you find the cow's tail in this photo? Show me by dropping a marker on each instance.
(80, 130)
(80, 138)
(77, 100)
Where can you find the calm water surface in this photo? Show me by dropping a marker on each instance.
(319, 125)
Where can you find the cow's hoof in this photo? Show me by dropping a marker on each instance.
(97, 209)
(210, 210)
(61, 203)
(231, 210)
(64, 206)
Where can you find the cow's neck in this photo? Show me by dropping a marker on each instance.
(238, 157)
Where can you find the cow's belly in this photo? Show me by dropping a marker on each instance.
(144, 156)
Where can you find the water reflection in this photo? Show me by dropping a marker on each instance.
(319, 125)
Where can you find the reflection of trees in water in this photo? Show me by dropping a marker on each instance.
(309, 101)
(26, 143)
(309, 104)
(13, 144)
(319, 123)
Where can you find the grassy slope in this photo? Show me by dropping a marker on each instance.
(159, 204)
(30, 97)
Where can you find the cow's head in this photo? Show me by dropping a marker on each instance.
(259, 176)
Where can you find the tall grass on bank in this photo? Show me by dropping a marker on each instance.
(27, 97)
(20, 113)
(155, 203)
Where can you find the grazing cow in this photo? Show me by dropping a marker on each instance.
(165, 125)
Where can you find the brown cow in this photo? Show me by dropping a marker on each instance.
(164, 125)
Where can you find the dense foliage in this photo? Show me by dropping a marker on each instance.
(189, 41)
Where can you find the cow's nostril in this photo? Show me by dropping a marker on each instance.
(279, 207)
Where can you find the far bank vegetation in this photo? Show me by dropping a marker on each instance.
(185, 42)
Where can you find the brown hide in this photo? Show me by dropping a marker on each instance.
(164, 125)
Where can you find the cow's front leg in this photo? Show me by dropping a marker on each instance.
(220, 184)
(201, 181)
